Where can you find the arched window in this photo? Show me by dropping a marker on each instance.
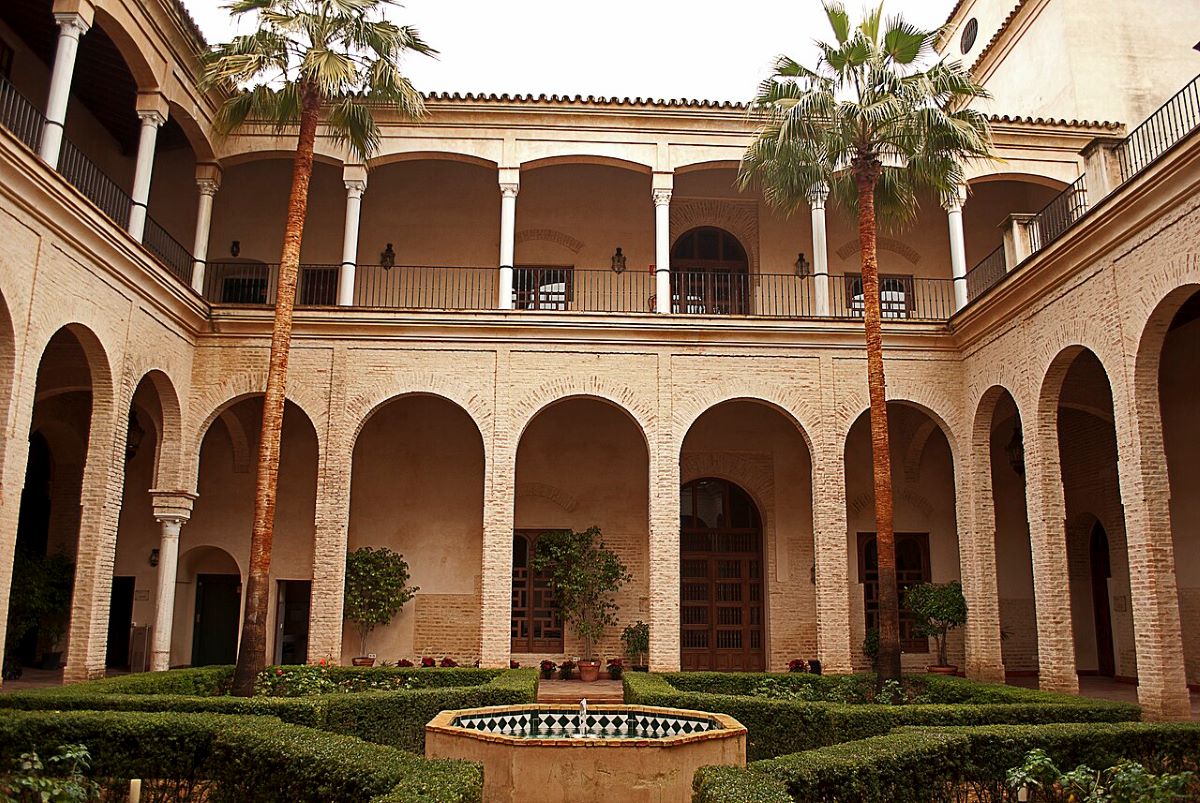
(710, 274)
(912, 568)
(721, 578)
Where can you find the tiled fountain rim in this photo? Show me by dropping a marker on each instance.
(727, 726)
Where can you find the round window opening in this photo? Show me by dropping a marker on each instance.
(970, 31)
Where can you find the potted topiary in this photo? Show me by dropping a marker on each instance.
(585, 575)
(938, 608)
(636, 638)
(376, 589)
(41, 601)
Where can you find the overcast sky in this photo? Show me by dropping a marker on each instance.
(712, 49)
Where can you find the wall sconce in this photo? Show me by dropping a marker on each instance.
(1015, 450)
(618, 261)
(235, 248)
(802, 265)
(154, 557)
(387, 257)
(133, 436)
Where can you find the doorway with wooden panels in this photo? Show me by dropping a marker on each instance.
(721, 594)
(710, 273)
(537, 625)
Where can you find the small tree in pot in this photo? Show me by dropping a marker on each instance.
(585, 574)
(376, 589)
(938, 608)
(636, 638)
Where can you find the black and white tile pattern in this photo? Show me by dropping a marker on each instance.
(564, 723)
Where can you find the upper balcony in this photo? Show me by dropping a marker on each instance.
(564, 206)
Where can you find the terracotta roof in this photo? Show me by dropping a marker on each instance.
(1106, 125)
(999, 32)
(189, 24)
(589, 100)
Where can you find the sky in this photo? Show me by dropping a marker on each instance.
(709, 49)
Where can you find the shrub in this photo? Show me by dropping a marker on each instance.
(376, 589)
(938, 608)
(62, 778)
(585, 574)
(636, 638)
(1127, 782)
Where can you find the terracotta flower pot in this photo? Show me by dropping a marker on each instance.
(942, 670)
(363, 661)
(589, 671)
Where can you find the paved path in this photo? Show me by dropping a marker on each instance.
(1105, 689)
(570, 692)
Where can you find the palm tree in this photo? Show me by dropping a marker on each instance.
(309, 62)
(877, 121)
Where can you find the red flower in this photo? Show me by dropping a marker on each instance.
(278, 671)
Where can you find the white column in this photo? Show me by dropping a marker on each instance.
(817, 196)
(958, 249)
(151, 120)
(164, 598)
(508, 237)
(354, 193)
(208, 188)
(662, 250)
(70, 28)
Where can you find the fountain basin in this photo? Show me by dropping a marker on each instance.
(625, 752)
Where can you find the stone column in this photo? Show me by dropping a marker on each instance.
(958, 250)
(208, 181)
(510, 184)
(817, 196)
(70, 28)
(172, 509)
(1046, 506)
(1102, 166)
(355, 177)
(151, 119)
(976, 516)
(830, 537)
(662, 243)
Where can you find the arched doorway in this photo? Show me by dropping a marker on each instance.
(710, 274)
(721, 578)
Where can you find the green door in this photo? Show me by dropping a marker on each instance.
(218, 605)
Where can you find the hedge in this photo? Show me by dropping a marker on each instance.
(244, 758)
(780, 727)
(914, 765)
(395, 718)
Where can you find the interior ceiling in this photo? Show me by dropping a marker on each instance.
(101, 82)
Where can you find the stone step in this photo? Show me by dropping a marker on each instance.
(570, 692)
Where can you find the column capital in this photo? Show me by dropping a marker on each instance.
(661, 197)
(72, 24)
(173, 506)
(152, 117)
(509, 189)
(954, 201)
(208, 186)
(817, 195)
(355, 187)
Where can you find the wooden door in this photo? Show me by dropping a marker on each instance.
(218, 606)
(721, 593)
(536, 623)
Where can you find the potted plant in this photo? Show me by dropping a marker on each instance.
(376, 589)
(585, 575)
(938, 608)
(548, 667)
(41, 601)
(636, 638)
(616, 668)
(565, 669)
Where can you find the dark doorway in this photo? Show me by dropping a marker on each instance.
(1101, 572)
(536, 622)
(120, 618)
(720, 578)
(33, 532)
(710, 274)
(218, 604)
(291, 622)
(912, 568)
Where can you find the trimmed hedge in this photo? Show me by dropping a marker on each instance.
(914, 765)
(395, 718)
(245, 758)
(780, 727)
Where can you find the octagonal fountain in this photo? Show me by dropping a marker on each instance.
(554, 753)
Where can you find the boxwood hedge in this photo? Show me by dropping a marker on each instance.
(393, 718)
(241, 758)
(779, 727)
(938, 764)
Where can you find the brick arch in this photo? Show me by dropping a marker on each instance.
(738, 217)
(1156, 284)
(985, 413)
(100, 364)
(791, 404)
(122, 30)
(551, 493)
(752, 472)
(237, 386)
(8, 368)
(640, 411)
(853, 408)
(168, 463)
(366, 402)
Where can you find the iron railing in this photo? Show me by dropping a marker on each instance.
(986, 274)
(1057, 216)
(582, 289)
(20, 116)
(902, 297)
(257, 284)
(94, 184)
(169, 251)
(712, 292)
(425, 287)
(1174, 120)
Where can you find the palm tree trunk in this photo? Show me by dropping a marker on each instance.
(866, 174)
(252, 654)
